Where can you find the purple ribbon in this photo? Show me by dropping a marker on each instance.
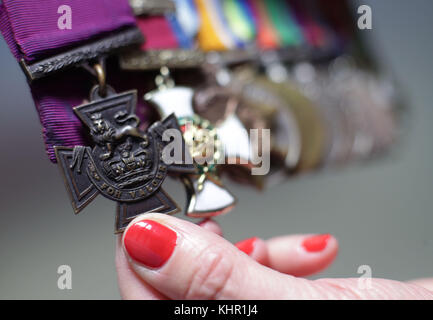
(31, 30)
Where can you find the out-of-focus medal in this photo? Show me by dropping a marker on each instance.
(369, 101)
(266, 109)
(309, 119)
(311, 125)
(240, 125)
(315, 83)
(206, 196)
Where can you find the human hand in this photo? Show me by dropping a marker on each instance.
(162, 257)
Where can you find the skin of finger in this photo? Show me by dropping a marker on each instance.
(287, 255)
(211, 226)
(286, 252)
(131, 286)
(425, 283)
(220, 271)
(367, 289)
(260, 252)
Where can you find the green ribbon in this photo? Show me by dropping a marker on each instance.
(281, 17)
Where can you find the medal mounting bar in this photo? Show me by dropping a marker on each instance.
(238, 56)
(186, 58)
(289, 54)
(152, 7)
(154, 59)
(304, 52)
(82, 54)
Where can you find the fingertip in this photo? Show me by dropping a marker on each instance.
(316, 243)
(317, 252)
(255, 248)
(302, 255)
(131, 286)
(194, 265)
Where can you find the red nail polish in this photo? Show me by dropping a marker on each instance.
(316, 243)
(150, 243)
(246, 245)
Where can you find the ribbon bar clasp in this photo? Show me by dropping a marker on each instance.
(82, 54)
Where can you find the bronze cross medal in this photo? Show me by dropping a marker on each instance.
(125, 163)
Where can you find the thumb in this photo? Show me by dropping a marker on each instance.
(181, 260)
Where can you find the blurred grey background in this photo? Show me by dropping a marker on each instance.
(381, 212)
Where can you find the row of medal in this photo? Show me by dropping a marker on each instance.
(318, 116)
(261, 91)
(272, 64)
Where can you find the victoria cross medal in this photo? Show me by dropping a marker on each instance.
(125, 163)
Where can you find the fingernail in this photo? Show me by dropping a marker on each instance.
(247, 245)
(150, 243)
(316, 243)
